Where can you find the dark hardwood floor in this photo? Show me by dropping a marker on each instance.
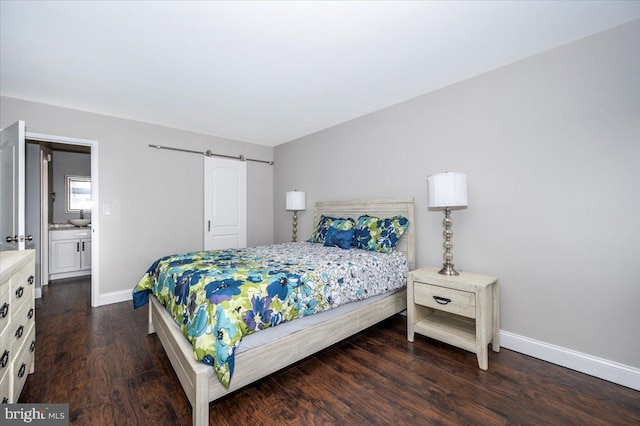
(111, 372)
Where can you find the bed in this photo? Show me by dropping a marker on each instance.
(292, 341)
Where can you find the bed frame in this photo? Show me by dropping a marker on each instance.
(202, 386)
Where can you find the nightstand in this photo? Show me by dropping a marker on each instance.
(460, 310)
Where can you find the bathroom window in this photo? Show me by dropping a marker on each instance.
(78, 189)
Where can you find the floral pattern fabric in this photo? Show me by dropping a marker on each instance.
(326, 222)
(217, 297)
(377, 234)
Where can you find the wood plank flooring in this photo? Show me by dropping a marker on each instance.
(111, 372)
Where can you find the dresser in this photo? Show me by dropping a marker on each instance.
(17, 322)
(460, 310)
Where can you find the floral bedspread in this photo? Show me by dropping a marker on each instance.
(217, 297)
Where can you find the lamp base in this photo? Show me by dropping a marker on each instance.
(447, 269)
(294, 237)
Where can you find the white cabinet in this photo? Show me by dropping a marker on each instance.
(17, 322)
(85, 254)
(69, 253)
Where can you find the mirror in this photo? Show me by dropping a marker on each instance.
(78, 191)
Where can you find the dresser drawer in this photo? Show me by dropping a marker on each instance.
(21, 325)
(22, 284)
(5, 385)
(22, 364)
(5, 359)
(445, 299)
(24, 276)
(5, 306)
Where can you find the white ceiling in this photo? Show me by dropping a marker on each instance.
(270, 72)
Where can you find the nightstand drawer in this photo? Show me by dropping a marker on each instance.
(445, 299)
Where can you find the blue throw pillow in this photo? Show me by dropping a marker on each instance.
(336, 237)
(326, 222)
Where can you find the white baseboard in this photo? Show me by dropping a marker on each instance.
(114, 297)
(598, 367)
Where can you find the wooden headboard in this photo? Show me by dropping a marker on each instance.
(385, 208)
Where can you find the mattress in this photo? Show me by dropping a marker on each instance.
(272, 334)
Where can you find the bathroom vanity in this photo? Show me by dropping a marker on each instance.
(69, 252)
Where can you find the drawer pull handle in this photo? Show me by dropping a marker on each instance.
(5, 400)
(441, 300)
(22, 370)
(19, 332)
(30, 279)
(30, 314)
(4, 311)
(33, 346)
(5, 359)
(20, 291)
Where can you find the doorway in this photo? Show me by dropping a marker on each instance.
(69, 147)
(47, 211)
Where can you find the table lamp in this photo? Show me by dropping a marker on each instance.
(296, 202)
(447, 190)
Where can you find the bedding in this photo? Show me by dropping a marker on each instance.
(217, 297)
(336, 237)
(326, 222)
(373, 233)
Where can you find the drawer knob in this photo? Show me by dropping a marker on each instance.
(33, 346)
(4, 311)
(20, 291)
(19, 331)
(30, 314)
(23, 369)
(4, 359)
(31, 279)
(441, 300)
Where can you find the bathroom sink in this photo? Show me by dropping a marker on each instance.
(80, 222)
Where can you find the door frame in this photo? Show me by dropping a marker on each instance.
(44, 220)
(95, 216)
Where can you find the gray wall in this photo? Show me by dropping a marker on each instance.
(551, 145)
(156, 196)
(63, 164)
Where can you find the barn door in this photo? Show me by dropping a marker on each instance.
(225, 203)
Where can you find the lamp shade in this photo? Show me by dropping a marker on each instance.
(448, 190)
(295, 200)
